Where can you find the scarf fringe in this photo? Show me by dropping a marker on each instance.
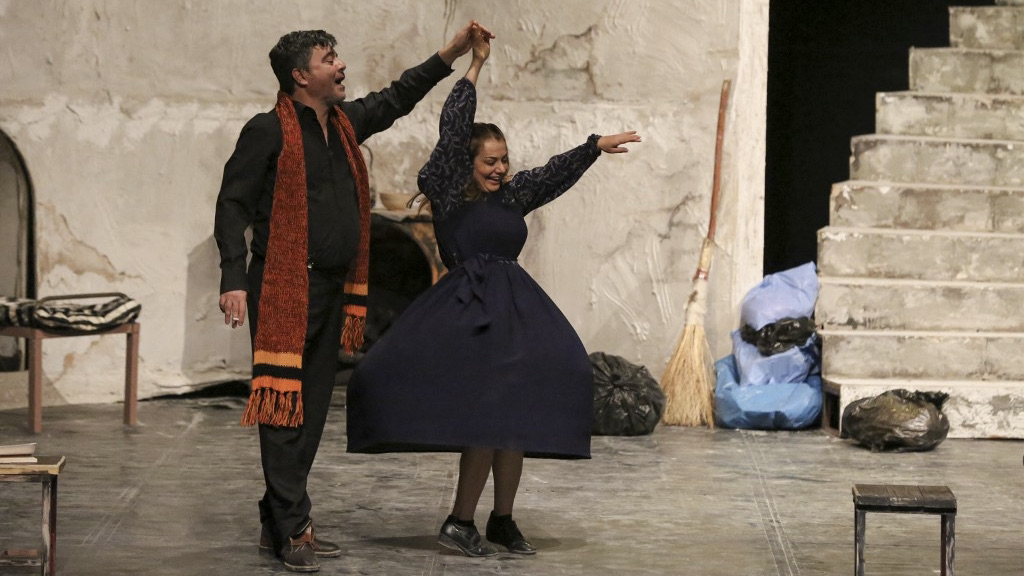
(352, 334)
(273, 408)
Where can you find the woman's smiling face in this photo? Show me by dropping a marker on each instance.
(490, 165)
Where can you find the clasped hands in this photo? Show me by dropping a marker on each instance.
(466, 39)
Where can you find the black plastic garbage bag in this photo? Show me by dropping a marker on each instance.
(628, 401)
(897, 421)
(778, 336)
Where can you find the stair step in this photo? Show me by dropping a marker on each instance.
(967, 70)
(858, 203)
(974, 409)
(921, 271)
(918, 354)
(970, 116)
(897, 304)
(939, 160)
(998, 27)
(920, 254)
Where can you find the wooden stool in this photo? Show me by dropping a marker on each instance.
(35, 337)
(45, 471)
(904, 500)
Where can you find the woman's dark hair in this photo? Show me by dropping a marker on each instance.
(482, 131)
(293, 51)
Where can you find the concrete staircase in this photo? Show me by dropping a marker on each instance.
(921, 268)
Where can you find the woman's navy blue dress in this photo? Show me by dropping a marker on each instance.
(483, 358)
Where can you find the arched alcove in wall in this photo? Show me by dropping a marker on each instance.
(17, 240)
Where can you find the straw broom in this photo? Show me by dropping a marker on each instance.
(688, 379)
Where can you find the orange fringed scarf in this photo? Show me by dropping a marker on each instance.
(276, 397)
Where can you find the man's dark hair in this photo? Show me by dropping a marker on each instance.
(293, 51)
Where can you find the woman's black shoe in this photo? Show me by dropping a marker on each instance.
(503, 530)
(465, 539)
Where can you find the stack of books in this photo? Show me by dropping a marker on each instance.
(18, 453)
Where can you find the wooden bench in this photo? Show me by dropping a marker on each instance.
(905, 499)
(45, 471)
(34, 338)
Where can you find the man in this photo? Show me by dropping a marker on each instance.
(298, 178)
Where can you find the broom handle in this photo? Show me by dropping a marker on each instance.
(717, 182)
(704, 267)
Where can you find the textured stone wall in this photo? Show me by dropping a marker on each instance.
(126, 111)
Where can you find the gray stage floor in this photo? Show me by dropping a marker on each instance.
(177, 495)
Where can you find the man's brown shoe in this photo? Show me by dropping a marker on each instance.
(298, 554)
(322, 548)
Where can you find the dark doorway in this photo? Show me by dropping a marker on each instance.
(826, 61)
(17, 245)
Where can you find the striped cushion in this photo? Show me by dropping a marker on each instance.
(16, 311)
(114, 310)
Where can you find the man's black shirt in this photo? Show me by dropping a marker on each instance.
(247, 188)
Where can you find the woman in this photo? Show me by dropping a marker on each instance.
(483, 362)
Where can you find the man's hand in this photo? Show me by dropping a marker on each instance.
(614, 144)
(463, 40)
(232, 304)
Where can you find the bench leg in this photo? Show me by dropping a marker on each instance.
(948, 542)
(131, 376)
(48, 556)
(35, 384)
(858, 542)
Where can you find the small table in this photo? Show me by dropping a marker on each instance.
(904, 499)
(44, 471)
(35, 337)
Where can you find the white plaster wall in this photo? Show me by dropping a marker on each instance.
(126, 111)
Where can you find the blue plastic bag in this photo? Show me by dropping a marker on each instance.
(777, 406)
(787, 294)
(793, 365)
(781, 390)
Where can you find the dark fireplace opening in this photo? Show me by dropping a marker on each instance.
(403, 263)
(399, 272)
